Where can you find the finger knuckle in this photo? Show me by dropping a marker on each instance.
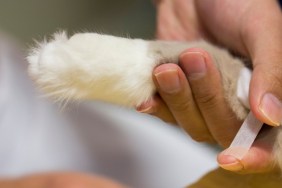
(182, 106)
(207, 100)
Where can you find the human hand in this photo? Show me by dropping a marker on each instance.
(252, 28)
(201, 111)
(59, 180)
(194, 99)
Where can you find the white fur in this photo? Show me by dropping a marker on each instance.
(119, 70)
(94, 66)
(114, 69)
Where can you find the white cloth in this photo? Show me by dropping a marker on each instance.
(243, 86)
(137, 150)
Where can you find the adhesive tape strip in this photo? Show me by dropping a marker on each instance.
(251, 126)
(245, 137)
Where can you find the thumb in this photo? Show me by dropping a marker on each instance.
(266, 92)
(263, 39)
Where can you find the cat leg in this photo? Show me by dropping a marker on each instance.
(93, 66)
(117, 70)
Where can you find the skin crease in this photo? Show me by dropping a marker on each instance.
(252, 28)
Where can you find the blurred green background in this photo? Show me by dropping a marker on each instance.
(32, 19)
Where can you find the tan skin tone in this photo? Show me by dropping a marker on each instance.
(60, 180)
(252, 28)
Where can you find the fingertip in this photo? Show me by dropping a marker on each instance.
(271, 108)
(146, 107)
(151, 106)
(265, 97)
(196, 63)
(230, 163)
(166, 67)
(156, 107)
(268, 109)
(169, 79)
(257, 159)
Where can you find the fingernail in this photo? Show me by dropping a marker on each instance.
(148, 110)
(271, 107)
(193, 64)
(145, 108)
(232, 164)
(168, 81)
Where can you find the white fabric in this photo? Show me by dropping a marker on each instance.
(135, 149)
(243, 86)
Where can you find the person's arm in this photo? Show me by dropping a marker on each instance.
(59, 180)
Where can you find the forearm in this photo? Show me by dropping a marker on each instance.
(8, 183)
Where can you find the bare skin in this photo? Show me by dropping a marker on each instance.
(251, 28)
(60, 180)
